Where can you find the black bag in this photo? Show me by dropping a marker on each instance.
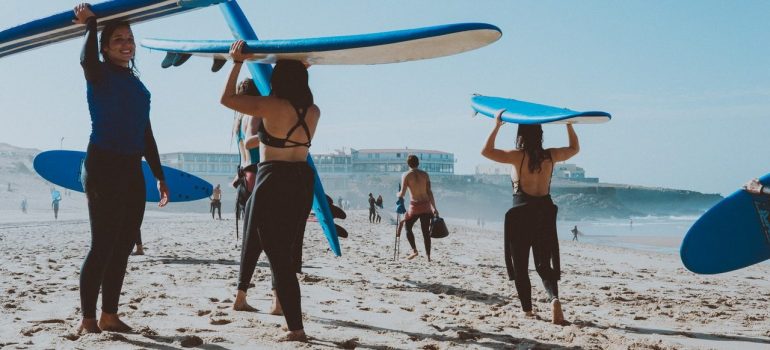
(438, 228)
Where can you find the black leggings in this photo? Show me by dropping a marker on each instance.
(531, 223)
(114, 186)
(281, 203)
(251, 249)
(424, 225)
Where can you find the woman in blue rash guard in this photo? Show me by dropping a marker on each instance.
(119, 105)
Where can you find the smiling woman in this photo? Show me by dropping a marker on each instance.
(112, 177)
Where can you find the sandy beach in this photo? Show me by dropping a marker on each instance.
(180, 294)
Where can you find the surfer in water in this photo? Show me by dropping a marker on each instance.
(531, 222)
(121, 135)
(422, 206)
(755, 187)
(283, 193)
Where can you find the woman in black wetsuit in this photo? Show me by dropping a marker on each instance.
(121, 134)
(531, 222)
(283, 193)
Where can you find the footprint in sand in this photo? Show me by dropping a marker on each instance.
(220, 322)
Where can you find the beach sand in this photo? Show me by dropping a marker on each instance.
(180, 294)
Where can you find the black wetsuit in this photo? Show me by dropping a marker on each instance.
(112, 177)
(277, 214)
(531, 223)
(372, 209)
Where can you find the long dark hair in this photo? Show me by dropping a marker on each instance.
(530, 139)
(245, 87)
(104, 42)
(290, 82)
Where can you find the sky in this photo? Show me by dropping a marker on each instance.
(687, 83)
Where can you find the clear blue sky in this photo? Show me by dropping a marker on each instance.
(687, 82)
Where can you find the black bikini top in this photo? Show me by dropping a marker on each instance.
(517, 184)
(272, 141)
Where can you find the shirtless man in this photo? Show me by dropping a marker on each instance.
(216, 202)
(421, 205)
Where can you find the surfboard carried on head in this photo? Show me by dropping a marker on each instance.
(733, 234)
(363, 49)
(521, 112)
(59, 27)
(64, 168)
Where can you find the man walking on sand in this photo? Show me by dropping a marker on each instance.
(421, 205)
(216, 202)
(372, 209)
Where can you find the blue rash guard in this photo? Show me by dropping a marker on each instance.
(119, 105)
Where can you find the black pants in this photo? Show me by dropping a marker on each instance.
(216, 204)
(424, 225)
(251, 249)
(281, 203)
(531, 224)
(114, 186)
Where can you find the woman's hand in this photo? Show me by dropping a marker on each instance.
(753, 186)
(163, 190)
(499, 118)
(236, 51)
(83, 13)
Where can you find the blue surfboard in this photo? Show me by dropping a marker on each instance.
(261, 73)
(373, 48)
(64, 168)
(59, 27)
(520, 112)
(733, 234)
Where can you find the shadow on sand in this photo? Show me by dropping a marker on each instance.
(470, 337)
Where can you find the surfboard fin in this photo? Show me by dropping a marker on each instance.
(218, 64)
(168, 61)
(341, 232)
(181, 58)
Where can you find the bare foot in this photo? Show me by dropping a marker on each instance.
(276, 309)
(412, 256)
(89, 325)
(111, 323)
(298, 335)
(558, 315)
(428, 258)
(139, 250)
(529, 314)
(240, 303)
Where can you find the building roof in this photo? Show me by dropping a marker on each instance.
(398, 150)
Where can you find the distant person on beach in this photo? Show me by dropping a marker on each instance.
(121, 135)
(372, 208)
(574, 233)
(55, 199)
(379, 204)
(216, 201)
(283, 193)
(422, 206)
(531, 222)
(24, 205)
(755, 187)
